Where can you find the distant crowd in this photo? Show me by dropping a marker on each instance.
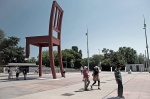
(17, 71)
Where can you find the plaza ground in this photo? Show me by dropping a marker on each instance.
(136, 86)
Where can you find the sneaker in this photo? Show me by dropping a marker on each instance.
(86, 89)
(91, 87)
(122, 97)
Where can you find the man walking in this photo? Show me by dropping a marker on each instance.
(25, 73)
(118, 77)
(10, 73)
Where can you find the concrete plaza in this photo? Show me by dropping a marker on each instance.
(136, 86)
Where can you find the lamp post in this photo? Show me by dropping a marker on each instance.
(87, 50)
(66, 61)
(145, 61)
(99, 59)
(99, 51)
(146, 44)
(100, 68)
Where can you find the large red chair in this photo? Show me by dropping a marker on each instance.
(49, 40)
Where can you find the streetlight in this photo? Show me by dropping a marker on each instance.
(146, 43)
(87, 49)
(99, 59)
(99, 51)
(145, 60)
(66, 61)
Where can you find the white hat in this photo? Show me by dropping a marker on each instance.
(96, 67)
(85, 67)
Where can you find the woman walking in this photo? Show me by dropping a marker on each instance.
(96, 77)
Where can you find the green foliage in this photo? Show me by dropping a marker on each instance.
(2, 35)
(32, 60)
(73, 58)
(70, 58)
(10, 52)
(45, 58)
(80, 51)
(75, 48)
(95, 60)
(128, 55)
(110, 58)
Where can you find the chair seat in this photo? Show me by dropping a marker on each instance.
(42, 41)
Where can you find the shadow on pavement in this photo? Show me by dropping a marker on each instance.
(103, 82)
(14, 79)
(110, 79)
(67, 94)
(112, 98)
(80, 90)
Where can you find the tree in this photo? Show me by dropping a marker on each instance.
(10, 51)
(80, 52)
(67, 57)
(2, 35)
(32, 60)
(71, 55)
(75, 48)
(140, 59)
(128, 55)
(45, 58)
(94, 61)
(70, 58)
(124, 55)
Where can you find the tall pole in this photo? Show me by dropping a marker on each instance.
(87, 49)
(66, 61)
(99, 51)
(145, 60)
(99, 59)
(146, 43)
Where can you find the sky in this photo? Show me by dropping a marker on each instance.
(111, 23)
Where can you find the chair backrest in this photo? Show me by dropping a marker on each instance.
(55, 19)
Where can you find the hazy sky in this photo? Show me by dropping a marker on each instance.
(111, 23)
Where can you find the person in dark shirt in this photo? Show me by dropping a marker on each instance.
(25, 73)
(118, 78)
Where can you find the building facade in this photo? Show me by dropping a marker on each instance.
(135, 67)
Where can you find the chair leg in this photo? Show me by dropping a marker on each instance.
(52, 64)
(60, 62)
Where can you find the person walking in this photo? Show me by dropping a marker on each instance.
(118, 78)
(9, 73)
(96, 77)
(86, 78)
(64, 73)
(25, 73)
(17, 73)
